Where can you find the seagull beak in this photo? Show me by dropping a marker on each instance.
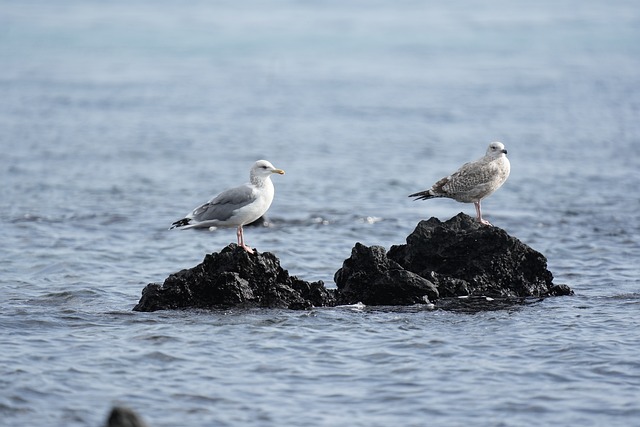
(278, 171)
(504, 151)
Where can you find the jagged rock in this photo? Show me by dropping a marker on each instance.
(463, 257)
(235, 278)
(371, 278)
(440, 262)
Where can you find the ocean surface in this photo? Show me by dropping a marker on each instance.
(117, 118)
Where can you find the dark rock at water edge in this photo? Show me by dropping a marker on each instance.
(235, 278)
(260, 222)
(459, 257)
(464, 257)
(371, 278)
(440, 262)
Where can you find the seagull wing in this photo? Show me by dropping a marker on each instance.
(223, 206)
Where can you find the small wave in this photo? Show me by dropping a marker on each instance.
(156, 338)
(29, 218)
(160, 357)
(7, 409)
(69, 295)
(108, 219)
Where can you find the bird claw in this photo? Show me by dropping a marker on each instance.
(248, 249)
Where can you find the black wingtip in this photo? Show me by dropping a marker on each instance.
(422, 195)
(180, 223)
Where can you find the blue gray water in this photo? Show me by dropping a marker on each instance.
(116, 118)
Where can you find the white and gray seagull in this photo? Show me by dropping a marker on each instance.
(236, 206)
(474, 181)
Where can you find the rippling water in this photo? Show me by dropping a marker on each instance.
(117, 118)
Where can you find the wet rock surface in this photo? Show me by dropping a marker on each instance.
(457, 264)
(235, 278)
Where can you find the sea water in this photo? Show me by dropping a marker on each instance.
(117, 118)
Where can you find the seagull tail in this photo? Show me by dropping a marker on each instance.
(180, 223)
(423, 195)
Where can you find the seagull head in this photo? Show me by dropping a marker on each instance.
(264, 168)
(496, 149)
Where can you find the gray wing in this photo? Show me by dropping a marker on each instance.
(222, 207)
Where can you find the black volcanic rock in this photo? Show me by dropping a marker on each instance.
(234, 278)
(371, 278)
(463, 257)
(440, 262)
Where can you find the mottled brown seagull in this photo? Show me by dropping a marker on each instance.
(474, 181)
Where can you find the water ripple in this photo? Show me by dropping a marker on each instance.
(110, 142)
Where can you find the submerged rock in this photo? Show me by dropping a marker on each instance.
(234, 278)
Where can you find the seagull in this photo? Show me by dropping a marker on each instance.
(474, 180)
(236, 206)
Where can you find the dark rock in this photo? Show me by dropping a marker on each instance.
(124, 417)
(463, 257)
(371, 278)
(440, 262)
(235, 278)
(260, 222)
(560, 290)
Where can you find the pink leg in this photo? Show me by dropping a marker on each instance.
(240, 234)
(479, 214)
